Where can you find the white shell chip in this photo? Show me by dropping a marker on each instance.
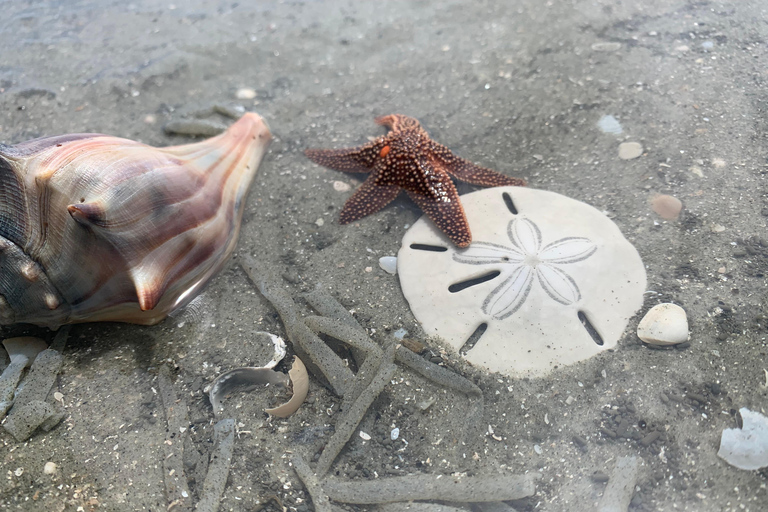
(547, 281)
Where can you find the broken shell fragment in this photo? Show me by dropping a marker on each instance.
(747, 447)
(300, 380)
(664, 324)
(99, 228)
(547, 281)
(242, 377)
(263, 376)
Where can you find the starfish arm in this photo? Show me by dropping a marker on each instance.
(359, 159)
(464, 170)
(447, 213)
(367, 199)
(398, 122)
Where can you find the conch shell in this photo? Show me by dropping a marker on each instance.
(98, 228)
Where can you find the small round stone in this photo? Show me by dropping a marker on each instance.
(245, 93)
(50, 468)
(667, 207)
(630, 150)
(340, 186)
(664, 324)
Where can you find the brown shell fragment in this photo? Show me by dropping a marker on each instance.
(99, 228)
(300, 380)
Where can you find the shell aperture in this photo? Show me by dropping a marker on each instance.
(99, 228)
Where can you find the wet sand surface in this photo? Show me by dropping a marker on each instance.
(516, 86)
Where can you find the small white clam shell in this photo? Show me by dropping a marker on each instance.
(664, 324)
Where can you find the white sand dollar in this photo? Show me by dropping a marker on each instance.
(664, 324)
(551, 279)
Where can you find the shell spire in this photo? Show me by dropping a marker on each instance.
(109, 229)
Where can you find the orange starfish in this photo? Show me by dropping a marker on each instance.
(406, 158)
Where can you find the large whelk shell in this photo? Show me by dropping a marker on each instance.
(97, 228)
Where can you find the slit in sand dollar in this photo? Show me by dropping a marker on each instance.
(547, 281)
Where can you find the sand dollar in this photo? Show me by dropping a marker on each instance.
(547, 281)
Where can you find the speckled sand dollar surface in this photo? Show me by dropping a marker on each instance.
(552, 284)
(544, 91)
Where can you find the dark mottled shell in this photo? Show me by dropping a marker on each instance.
(98, 228)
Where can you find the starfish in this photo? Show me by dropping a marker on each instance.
(407, 159)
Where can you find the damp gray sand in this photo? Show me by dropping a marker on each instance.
(519, 87)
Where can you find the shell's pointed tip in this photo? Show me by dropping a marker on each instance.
(147, 293)
(147, 300)
(87, 214)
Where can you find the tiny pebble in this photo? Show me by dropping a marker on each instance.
(49, 468)
(319, 222)
(340, 186)
(400, 333)
(609, 124)
(245, 94)
(580, 441)
(537, 449)
(667, 207)
(414, 346)
(58, 396)
(650, 438)
(388, 264)
(630, 150)
(394, 434)
(364, 436)
(606, 47)
(717, 228)
(718, 163)
(369, 269)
